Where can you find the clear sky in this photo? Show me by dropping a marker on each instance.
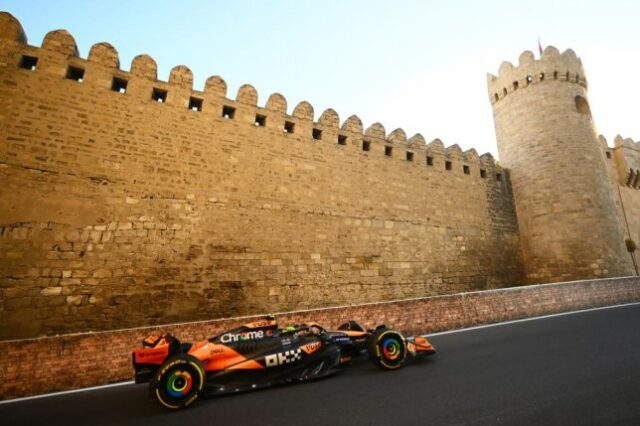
(418, 65)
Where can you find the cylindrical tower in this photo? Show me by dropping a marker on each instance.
(546, 136)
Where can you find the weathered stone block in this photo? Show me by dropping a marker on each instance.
(51, 291)
(103, 273)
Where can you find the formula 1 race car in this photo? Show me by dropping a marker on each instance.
(259, 355)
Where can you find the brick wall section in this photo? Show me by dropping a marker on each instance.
(120, 211)
(56, 363)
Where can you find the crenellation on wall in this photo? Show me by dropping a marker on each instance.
(353, 124)
(60, 41)
(453, 152)
(277, 103)
(104, 54)
(11, 29)
(144, 66)
(247, 94)
(181, 77)
(179, 86)
(216, 86)
(329, 119)
(397, 137)
(303, 111)
(376, 131)
(417, 142)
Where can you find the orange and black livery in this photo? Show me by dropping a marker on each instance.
(260, 354)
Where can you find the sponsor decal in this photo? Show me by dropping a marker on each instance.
(341, 339)
(411, 347)
(281, 358)
(216, 351)
(260, 324)
(152, 353)
(245, 335)
(310, 348)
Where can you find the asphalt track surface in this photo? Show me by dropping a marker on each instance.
(582, 368)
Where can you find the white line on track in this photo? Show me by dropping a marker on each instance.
(498, 324)
(47, 395)
(130, 382)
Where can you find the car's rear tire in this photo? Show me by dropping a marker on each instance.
(387, 349)
(178, 382)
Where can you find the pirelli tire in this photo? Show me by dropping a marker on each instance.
(178, 382)
(387, 349)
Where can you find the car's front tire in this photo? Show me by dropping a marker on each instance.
(178, 382)
(387, 349)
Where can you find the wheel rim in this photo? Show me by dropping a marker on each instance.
(391, 349)
(179, 383)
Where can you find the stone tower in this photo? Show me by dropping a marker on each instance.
(546, 136)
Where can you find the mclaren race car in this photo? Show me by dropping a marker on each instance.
(259, 355)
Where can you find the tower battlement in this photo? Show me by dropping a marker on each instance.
(551, 66)
(564, 201)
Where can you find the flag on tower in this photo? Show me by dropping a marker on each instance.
(539, 47)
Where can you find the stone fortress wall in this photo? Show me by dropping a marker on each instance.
(130, 201)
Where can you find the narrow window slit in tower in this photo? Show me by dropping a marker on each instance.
(388, 151)
(288, 127)
(28, 62)
(159, 95)
(529, 80)
(483, 173)
(317, 134)
(366, 145)
(119, 85)
(495, 97)
(466, 170)
(195, 104)
(342, 140)
(499, 177)
(228, 112)
(409, 156)
(504, 91)
(515, 85)
(429, 160)
(609, 155)
(567, 76)
(541, 76)
(75, 73)
(261, 120)
(555, 75)
(629, 177)
(447, 165)
(577, 78)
